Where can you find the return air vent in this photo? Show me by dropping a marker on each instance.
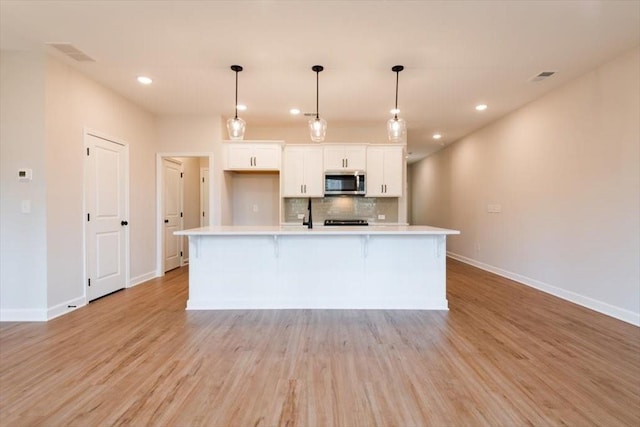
(72, 52)
(541, 76)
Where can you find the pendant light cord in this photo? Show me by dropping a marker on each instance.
(237, 95)
(317, 95)
(397, 79)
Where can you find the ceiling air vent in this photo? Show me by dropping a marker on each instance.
(541, 76)
(72, 52)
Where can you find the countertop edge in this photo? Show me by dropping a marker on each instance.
(289, 230)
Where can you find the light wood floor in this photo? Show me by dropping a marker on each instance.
(504, 355)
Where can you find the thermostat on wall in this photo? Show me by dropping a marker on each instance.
(24, 174)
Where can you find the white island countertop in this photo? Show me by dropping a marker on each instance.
(298, 230)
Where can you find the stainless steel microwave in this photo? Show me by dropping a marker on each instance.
(344, 183)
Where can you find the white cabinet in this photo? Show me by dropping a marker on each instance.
(345, 157)
(252, 156)
(385, 164)
(302, 171)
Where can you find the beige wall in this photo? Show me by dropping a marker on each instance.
(298, 133)
(199, 135)
(46, 106)
(565, 170)
(73, 103)
(23, 250)
(255, 198)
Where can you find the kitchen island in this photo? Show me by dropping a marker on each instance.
(287, 267)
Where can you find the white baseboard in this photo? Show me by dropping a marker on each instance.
(593, 304)
(23, 315)
(66, 307)
(134, 281)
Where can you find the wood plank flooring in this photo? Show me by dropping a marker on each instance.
(504, 355)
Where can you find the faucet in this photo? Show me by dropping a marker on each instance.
(309, 222)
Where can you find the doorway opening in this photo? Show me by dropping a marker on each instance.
(183, 202)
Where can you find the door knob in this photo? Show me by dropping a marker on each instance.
(166, 221)
(124, 222)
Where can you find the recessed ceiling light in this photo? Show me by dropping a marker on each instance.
(241, 107)
(395, 111)
(481, 107)
(294, 111)
(437, 136)
(144, 80)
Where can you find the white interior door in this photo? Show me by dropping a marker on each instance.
(106, 216)
(172, 173)
(204, 197)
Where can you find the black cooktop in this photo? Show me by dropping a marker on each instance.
(345, 222)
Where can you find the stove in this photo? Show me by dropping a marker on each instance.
(345, 222)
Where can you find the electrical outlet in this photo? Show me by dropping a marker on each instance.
(255, 208)
(494, 208)
(382, 216)
(300, 216)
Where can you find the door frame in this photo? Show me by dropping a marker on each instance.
(160, 199)
(204, 172)
(86, 132)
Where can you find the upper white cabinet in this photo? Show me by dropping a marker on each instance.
(243, 156)
(345, 157)
(385, 164)
(302, 171)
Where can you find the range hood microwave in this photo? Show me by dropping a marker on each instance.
(344, 183)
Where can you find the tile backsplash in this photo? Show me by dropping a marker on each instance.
(340, 207)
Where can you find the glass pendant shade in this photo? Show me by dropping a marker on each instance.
(317, 129)
(397, 130)
(235, 127)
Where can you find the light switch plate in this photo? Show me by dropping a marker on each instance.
(300, 216)
(382, 216)
(494, 208)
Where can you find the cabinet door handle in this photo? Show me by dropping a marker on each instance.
(346, 162)
(305, 189)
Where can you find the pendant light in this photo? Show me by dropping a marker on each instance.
(236, 126)
(397, 128)
(317, 126)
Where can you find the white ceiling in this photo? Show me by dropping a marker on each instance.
(456, 54)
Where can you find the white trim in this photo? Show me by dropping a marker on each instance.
(23, 315)
(590, 303)
(159, 199)
(64, 308)
(204, 173)
(135, 281)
